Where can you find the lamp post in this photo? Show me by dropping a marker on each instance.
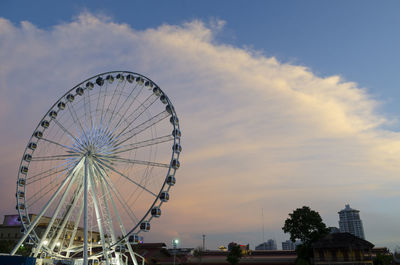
(175, 243)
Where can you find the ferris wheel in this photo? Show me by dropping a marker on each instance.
(98, 168)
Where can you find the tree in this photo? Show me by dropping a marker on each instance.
(383, 259)
(7, 245)
(234, 255)
(306, 225)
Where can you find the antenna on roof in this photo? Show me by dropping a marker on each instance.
(262, 220)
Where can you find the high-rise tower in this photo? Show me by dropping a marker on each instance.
(349, 221)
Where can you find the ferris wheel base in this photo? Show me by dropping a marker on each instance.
(16, 259)
(33, 261)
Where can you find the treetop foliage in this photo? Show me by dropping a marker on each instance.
(234, 255)
(306, 225)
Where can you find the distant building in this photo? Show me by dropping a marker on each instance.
(333, 230)
(244, 248)
(223, 248)
(350, 222)
(12, 230)
(290, 245)
(269, 245)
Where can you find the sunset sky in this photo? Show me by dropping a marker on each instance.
(282, 104)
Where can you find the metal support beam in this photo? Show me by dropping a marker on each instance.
(98, 217)
(85, 214)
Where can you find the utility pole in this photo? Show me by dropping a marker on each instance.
(204, 242)
(262, 219)
(175, 243)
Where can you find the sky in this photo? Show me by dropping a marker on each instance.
(281, 104)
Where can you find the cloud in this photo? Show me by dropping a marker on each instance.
(257, 133)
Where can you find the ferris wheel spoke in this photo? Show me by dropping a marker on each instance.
(76, 120)
(65, 130)
(135, 113)
(139, 162)
(46, 190)
(104, 102)
(144, 180)
(129, 105)
(146, 143)
(143, 126)
(122, 201)
(138, 112)
(126, 177)
(102, 172)
(87, 108)
(54, 157)
(97, 104)
(115, 105)
(61, 145)
(64, 166)
(38, 198)
(44, 177)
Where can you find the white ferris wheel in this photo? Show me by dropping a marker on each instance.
(98, 168)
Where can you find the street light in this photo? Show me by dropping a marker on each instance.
(175, 243)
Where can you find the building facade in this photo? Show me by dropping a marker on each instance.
(289, 245)
(350, 222)
(268, 245)
(12, 230)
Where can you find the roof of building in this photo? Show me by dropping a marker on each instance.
(150, 245)
(343, 240)
(347, 208)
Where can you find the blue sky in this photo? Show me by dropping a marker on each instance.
(282, 103)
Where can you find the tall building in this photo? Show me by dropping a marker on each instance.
(269, 245)
(350, 222)
(289, 245)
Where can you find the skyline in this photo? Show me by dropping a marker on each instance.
(260, 129)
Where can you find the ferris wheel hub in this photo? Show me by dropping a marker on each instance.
(96, 141)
